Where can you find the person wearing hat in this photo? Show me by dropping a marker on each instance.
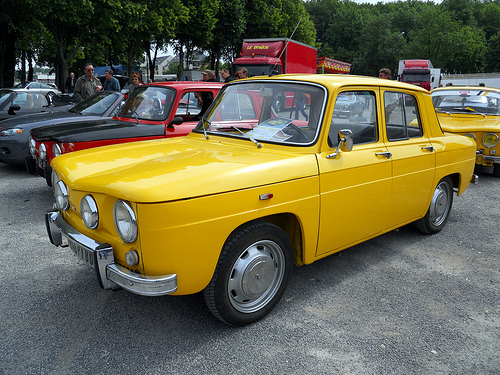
(208, 76)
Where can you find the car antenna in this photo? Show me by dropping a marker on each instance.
(271, 73)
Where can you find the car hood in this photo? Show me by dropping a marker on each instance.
(180, 168)
(97, 130)
(41, 119)
(462, 122)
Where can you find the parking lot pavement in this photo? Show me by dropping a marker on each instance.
(402, 303)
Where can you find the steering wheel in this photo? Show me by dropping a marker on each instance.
(298, 131)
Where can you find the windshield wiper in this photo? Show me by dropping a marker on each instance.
(468, 109)
(136, 115)
(246, 136)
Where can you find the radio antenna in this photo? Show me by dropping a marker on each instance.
(286, 44)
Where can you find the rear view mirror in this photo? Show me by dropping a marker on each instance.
(13, 108)
(345, 143)
(175, 121)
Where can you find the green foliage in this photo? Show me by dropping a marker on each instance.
(457, 35)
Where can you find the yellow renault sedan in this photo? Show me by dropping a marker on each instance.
(258, 187)
(475, 112)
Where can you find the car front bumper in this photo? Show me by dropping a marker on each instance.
(100, 257)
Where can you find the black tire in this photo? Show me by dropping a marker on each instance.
(50, 97)
(251, 275)
(439, 210)
(279, 104)
(496, 170)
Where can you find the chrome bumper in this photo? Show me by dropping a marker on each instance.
(100, 257)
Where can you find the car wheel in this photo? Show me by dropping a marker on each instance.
(439, 209)
(50, 97)
(278, 103)
(496, 170)
(251, 274)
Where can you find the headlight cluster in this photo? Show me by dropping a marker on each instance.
(470, 135)
(43, 151)
(56, 150)
(89, 212)
(8, 132)
(490, 140)
(125, 222)
(123, 214)
(61, 194)
(32, 147)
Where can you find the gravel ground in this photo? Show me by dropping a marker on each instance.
(402, 303)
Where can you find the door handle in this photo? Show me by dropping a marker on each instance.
(387, 154)
(428, 148)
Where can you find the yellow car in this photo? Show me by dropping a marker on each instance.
(474, 112)
(229, 209)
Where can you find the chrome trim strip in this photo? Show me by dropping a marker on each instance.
(100, 256)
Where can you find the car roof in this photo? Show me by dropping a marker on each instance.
(480, 88)
(339, 80)
(184, 85)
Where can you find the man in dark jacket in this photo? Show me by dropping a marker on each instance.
(70, 83)
(226, 76)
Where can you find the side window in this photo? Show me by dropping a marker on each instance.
(356, 111)
(239, 106)
(401, 116)
(194, 103)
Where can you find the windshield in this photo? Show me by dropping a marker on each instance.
(4, 97)
(272, 111)
(96, 105)
(416, 77)
(260, 69)
(149, 103)
(458, 100)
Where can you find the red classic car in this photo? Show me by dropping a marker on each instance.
(158, 110)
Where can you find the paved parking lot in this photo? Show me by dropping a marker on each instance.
(402, 303)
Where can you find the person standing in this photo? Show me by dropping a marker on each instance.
(226, 76)
(87, 85)
(111, 83)
(243, 73)
(70, 83)
(384, 73)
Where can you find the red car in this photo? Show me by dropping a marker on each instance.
(158, 110)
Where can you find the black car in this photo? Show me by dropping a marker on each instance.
(15, 132)
(14, 103)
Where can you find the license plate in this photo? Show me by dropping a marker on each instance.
(82, 252)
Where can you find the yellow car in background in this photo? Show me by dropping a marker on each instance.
(475, 112)
(254, 189)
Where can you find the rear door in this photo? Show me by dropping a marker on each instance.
(412, 155)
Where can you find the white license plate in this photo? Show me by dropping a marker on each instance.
(82, 252)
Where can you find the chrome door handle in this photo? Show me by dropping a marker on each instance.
(428, 148)
(387, 154)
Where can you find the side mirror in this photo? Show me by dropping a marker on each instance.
(13, 108)
(345, 144)
(175, 121)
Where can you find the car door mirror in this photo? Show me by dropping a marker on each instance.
(175, 121)
(345, 143)
(13, 108)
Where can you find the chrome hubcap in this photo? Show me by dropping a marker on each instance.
(256, 276)
(440, 205)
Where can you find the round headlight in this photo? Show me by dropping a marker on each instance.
(490, 140)
(43, 151)
(32, 147)
(56, 150)
(470, 135)
(54, 177)
(89, 212)
(125, 222)
(61, 194)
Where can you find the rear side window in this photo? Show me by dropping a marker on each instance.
(401, 116)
